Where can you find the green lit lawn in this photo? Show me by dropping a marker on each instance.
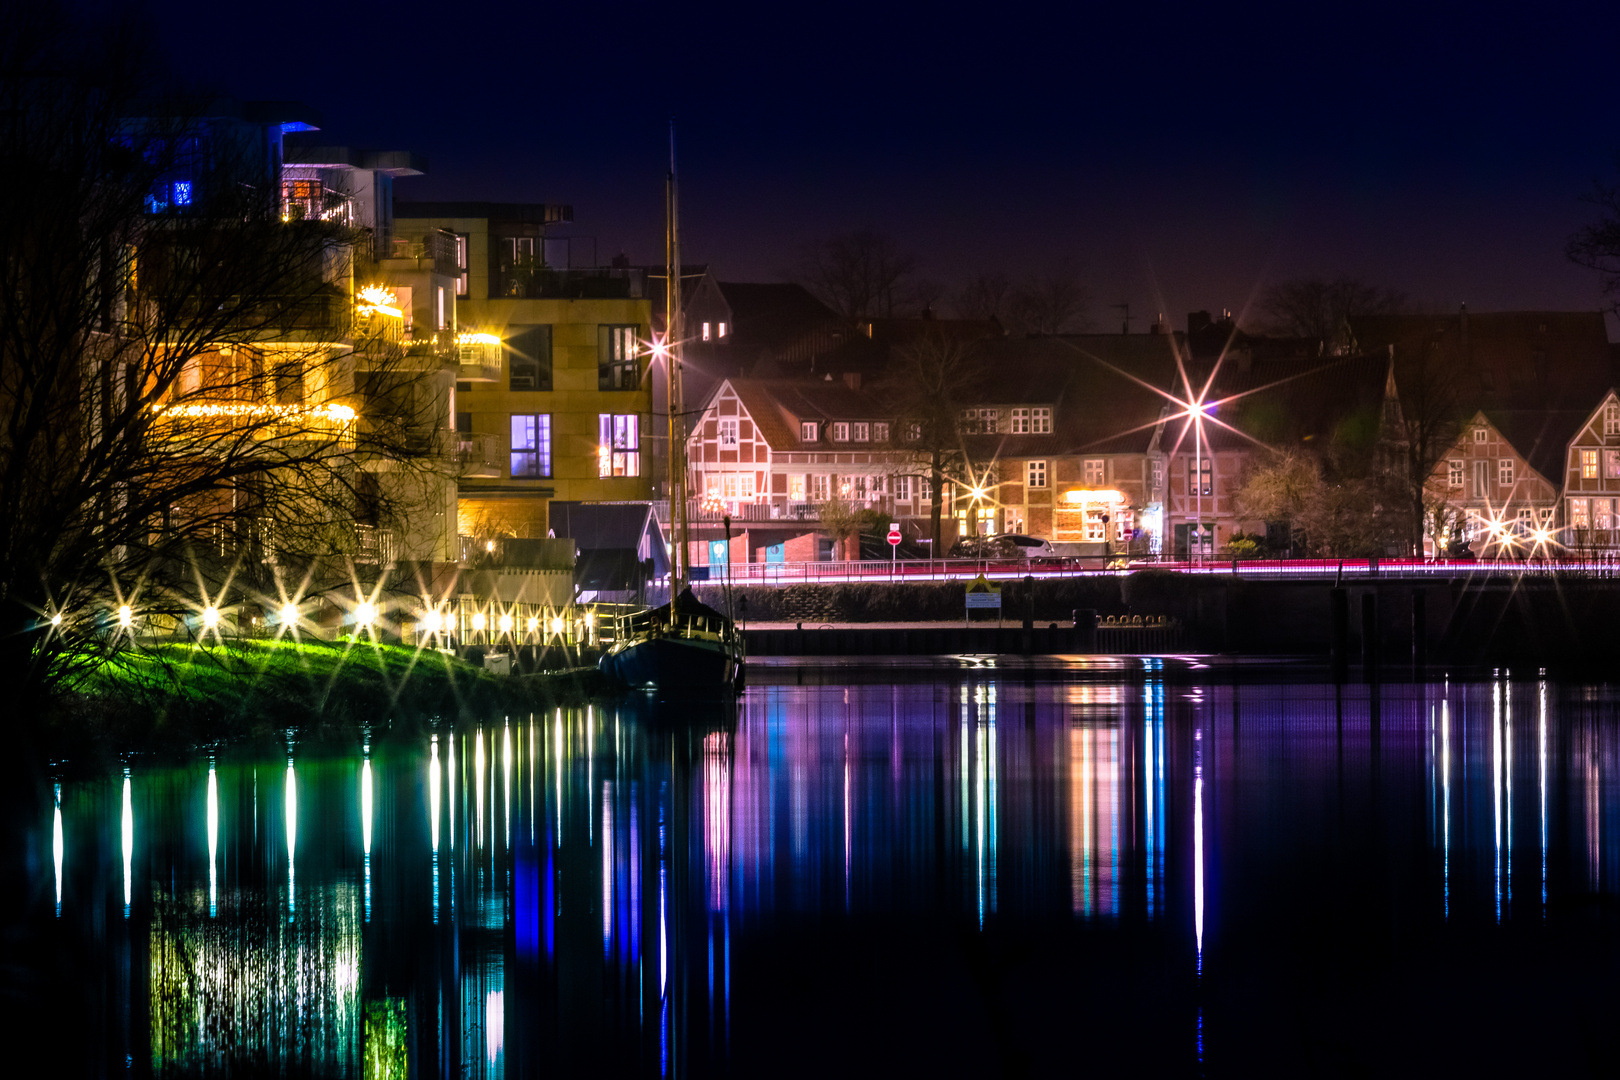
(242, 686)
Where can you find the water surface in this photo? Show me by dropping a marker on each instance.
(946, 870)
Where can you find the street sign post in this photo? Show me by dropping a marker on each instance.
(981, 595)
(894, 547)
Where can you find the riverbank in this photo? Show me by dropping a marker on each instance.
(184, 694)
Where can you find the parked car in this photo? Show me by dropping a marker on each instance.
(1002, 546)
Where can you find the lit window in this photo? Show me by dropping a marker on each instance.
(807, 431)
(1611, 464)
(1578, 514)
(1454, 474)
(1095, 471)
(1037, 474)
(531, 446)
(840, 432)
(616, 364)
(1504, 472)
(1480, 434)
(862, 432)
(705, 331)
(618, 444)
(182, 193)
(461, 264)
(1201, 481)
(1602, 516)
(722, 328)
(439, 321)
(1040, 421)
(1589, 465)
(820, 487)
(880, 432)
(1096, 527)
(1611, 413)
(796, 487)
(728, 432)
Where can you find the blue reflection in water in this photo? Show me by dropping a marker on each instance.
(1089, 803)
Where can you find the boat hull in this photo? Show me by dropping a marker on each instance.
(674, 662)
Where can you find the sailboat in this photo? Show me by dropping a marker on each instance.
(685, 643)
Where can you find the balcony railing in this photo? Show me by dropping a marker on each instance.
(437, 247)
(373, 544)
(520, 281)
(479, 454)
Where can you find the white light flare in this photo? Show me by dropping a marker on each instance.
(433, 792)
(213, 842)
(292, 832)
(128, 834)
(56, 847)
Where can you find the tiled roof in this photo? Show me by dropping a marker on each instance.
(1541, 436)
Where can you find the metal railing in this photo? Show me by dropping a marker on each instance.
(1330, 570)
(590, 283)
(478, 454)
(373, 544)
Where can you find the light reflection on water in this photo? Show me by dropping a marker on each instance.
(625, 886)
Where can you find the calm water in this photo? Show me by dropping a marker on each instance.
(984, 872)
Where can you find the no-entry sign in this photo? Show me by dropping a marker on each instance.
(894, 536)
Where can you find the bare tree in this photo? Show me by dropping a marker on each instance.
(860, 275)
(930, 380)
(186, 384)
(1321, 308)
(1597, 246)
(1052, 303)
(985, 296)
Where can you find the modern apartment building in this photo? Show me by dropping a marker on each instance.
(551, 397)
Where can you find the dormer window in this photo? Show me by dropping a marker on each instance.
(808, 431)
(880, 432)
(840, 432)
(862, 432)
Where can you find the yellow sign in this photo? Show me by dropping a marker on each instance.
(982, 584)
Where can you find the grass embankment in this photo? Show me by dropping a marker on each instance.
(189, 693)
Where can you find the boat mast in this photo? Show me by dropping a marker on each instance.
(673, 330)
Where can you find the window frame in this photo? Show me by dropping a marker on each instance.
(1456, 474)
(1094, 472)
(1040, 420)
(860, 431)
(725, 432)
(840, 431)
(1589, 464)
(1611, 419)
(1035, 474)
(809, 431)
(616, 371)
(540, 451)
(1504, 472)
(618, 446)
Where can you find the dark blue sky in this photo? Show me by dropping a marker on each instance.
(1179, 158)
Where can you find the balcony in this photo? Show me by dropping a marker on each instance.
(750, 511)
(434, 251)
(521, 282)
(479, 455)
(480, 358)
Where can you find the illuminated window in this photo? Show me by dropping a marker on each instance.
(820, 487)
(1579, 514)
(1611, 464)
(616, 365)
(618, 444)
(1096, 523)
(705, 331)
(840, 432)
(1037, 474)
(1504, 472)
(531, 446)
(807, 431)
(1602, 514)
(861, 432)
(1611, 412)
(1589, 464)
(796, 487)
(1454, 474)
(1480, 434)
(461, 264)
(1095, 470)
(728, 432)
(1201, 480)
(182, 192)
(722, 328)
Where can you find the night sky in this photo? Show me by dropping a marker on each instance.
(1176, 159)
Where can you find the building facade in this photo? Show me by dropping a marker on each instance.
(1591, 496)
(552, 398)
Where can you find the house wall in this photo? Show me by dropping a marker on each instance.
(1591, 504)
(1482, 497)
